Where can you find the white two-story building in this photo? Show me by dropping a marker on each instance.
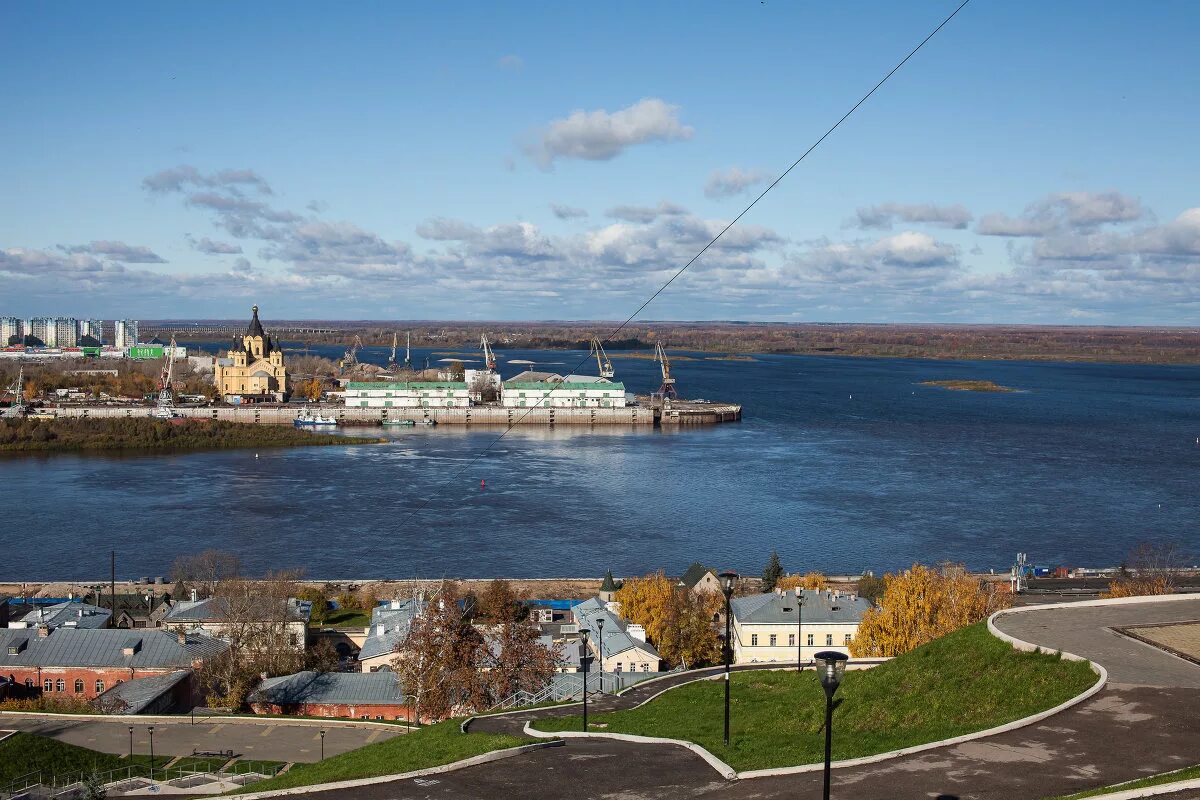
(766, 626)
(407, 394)
(544, 390)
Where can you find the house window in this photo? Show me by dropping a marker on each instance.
(29, 683)
(521, 394)
(363, 404)
(828, 639)
(754, 640)
(47, 685)
(292, 639)
(618, 669)
(521, 403)
(772, 640)
(99, 687)
(645, 667)
(387, 403)
(791, 640)
(810, 640)
(545, 404)
(849, 636)
(79, 686)
(60, 685)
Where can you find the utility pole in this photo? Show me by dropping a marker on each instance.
(112, 586)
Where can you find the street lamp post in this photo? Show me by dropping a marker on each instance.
(322, 745)
(728, 579)
(600, 641)
(151, 729)
(831, 665)
(130, 744)
(799, 629)
(587, 659)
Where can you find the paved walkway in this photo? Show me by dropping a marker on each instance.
(1144, 722)
(266, 739)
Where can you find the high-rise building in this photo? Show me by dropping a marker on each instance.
(93, 328)
(125, 333)
(10, 327)
(43, 328)
(66, 332)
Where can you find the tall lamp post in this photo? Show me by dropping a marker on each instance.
(728, 579)
(600, 641)
(151, 729)
(831, 665)
(322, 745)
(799, 629)
(587, 659)
(130, 744)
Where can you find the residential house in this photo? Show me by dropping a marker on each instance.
(701, 580)
(217, 615)
(84, 663)
(624, 646)
(765, 626)
(357, 695)
(390, 624)
(64, 615)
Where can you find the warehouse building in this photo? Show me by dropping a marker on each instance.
(407, 394)
(357, 695)
(547, 390)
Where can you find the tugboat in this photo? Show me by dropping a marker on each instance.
(308, 419)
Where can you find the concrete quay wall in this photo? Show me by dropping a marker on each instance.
(375, 416)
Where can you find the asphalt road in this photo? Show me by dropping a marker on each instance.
(270, 740)
(1144, 722)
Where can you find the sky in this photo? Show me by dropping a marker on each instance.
(1034, 163)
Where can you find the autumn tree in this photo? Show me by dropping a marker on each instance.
(647, 601)
(922, 604)
(438, 662)
(772, 573)
(813, 581)
(311, 389)
(1148, 570)
(869, 587)
(499, 602)
(677, 621)
(320, 603)
(518, 660)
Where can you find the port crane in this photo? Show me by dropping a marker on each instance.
(392, 360)
(350, 359)
(489, 358)
(17, 409)
(668, 383)
(166, 396)
(408, 350)
(602, 363)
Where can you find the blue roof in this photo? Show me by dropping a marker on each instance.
(616, 639)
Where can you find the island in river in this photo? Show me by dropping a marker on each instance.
(969, 386)
(69, 435)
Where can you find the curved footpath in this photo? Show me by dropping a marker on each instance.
(1144, 721)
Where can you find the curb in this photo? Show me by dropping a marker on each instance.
(485, 758)
(720, 766)
(1151, 791)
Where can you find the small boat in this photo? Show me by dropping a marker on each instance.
(308, 419)
(398, 423)
(426, 422)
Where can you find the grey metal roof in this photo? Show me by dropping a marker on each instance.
(616, 639)
(819, 607)
(82, 647)
(131, 696)
(390, 624)
(216, 609)
(354, 688)
(70, 614)
(533, 376)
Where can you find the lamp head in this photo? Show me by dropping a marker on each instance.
(728, 579)
(831, 666)
(600, 625)
(585, 633)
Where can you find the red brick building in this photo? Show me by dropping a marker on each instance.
(357, 695)
(85, 663)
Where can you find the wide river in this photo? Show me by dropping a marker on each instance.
(841, 464)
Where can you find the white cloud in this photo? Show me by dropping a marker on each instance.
(1064, 211)
(567, 212)
(117, 251)
(645, 214)
(176, 179)
(884, 215)
(214, 248)
(600, 135)
(732, 181)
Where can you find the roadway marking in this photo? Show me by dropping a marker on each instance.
(374, 735)
(270, 729)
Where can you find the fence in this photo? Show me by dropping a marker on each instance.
(60, 782)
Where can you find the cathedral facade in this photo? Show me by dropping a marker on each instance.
(253, 369)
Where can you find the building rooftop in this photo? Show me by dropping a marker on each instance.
(65, 615)
(550, 386)
(534, 376)
(616, 639)
(350, 688)
(110, 647)
(218, 609)
(132, 696)
(390, 624)
(401, 385)
(779, 608)
(694, 573)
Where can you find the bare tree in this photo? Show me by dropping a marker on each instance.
(1151, 568)
(439, 660)
(206, 571)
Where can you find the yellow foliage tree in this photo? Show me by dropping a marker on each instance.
(814, 581)
(311, 389)
(677, 621)
(923, 604)
(647, 602)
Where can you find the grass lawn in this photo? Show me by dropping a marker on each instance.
(347, 618)
(964, 682)
(23, 753)
(1187, 773)
(428, 747)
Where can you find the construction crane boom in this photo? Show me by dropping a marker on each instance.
(392, 360)
(408, 350)
(350, 359)
(489, 358)
(17, 408)
(603, 365)
(668, 383)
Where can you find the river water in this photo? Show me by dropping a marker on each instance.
(841, 464)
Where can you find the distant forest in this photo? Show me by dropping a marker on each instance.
(1057, 343)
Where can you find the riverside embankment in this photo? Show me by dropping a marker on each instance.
(678, 413)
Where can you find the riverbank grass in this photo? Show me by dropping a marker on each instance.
(965, 682)
(144, 434)
(969, 386)
(433, 746)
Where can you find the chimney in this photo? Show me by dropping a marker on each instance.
(182, 637)
(262, 676)
(43, 631)
(193, 595)
(79, 613)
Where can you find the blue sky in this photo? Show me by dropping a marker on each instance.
(1035, 163)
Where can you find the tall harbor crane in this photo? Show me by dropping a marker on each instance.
(392, 360)
(350, 359)
(489, 358)
(668, 383)
(17, 408)
(408, 350)
(166, 395)
(602, 363)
